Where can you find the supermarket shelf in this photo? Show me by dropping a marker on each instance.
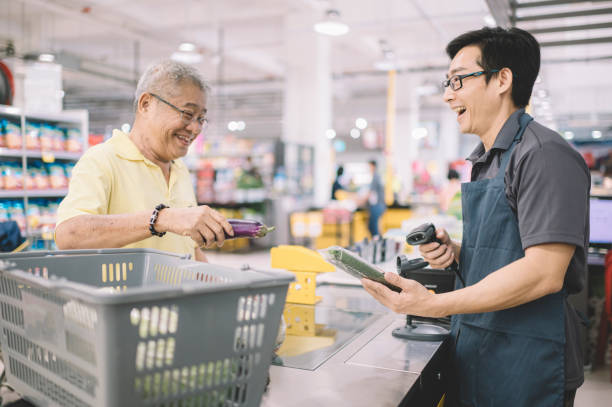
(41, 193)
(66, 116)
(57, 155)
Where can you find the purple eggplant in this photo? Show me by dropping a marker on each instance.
(248, 228)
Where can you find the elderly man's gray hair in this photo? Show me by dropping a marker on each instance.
(162, 78)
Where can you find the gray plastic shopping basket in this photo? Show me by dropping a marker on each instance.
(137, 327)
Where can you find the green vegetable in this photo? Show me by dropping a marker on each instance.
(356, 266)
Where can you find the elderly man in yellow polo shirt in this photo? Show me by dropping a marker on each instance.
(133, 190)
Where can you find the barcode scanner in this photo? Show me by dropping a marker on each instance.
(426, 233)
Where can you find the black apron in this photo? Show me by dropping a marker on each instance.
(512, 357)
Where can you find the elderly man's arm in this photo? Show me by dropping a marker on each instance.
(102, 231)
(540, 272)
(204, 225)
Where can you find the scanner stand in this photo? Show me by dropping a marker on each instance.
(437, 280)
(420, 331)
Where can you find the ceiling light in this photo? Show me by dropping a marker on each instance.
(331, 25)
(489, 20)
(596, 134)
(240, 125)
(568, 135)
(46, 58)
(385, 65)
(232, 126)
(388, 61)
(187, 47)
(186, 57)
(361, 123)
(355, 133)
(330, 133)
(419, 133)
(125, 127)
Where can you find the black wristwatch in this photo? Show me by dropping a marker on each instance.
(153, 219)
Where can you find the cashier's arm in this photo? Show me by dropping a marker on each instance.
(540, 272)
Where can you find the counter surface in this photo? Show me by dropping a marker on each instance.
(374, 369)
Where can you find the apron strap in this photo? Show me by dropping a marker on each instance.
(524, 120)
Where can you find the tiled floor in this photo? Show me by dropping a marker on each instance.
(595, 392)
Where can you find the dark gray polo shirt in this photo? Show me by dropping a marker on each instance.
(547, 187)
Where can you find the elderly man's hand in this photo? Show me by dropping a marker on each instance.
(439, 255)
(204, 225)
(414, 299)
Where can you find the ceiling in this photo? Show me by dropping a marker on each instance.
(105, 44)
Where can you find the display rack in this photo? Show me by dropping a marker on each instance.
(69, 119)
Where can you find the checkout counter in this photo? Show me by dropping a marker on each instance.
(340, 352)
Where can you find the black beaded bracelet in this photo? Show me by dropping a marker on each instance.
(153, 219)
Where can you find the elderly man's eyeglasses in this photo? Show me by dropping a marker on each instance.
(186, 116)
(456, 81)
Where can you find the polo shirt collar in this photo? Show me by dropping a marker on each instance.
(504, 137)
(126, 149)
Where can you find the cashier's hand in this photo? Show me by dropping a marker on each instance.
(414, 299)
(438, 255)
(203, 225)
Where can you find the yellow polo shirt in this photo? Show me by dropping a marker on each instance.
(115, 178)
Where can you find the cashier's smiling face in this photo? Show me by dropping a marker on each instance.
(475, 102)
(173, 135)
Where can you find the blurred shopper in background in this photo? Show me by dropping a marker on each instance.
(450, 195)
(134, 190)
(375, 200)
(337, 186)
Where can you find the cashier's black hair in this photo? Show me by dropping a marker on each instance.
(511, 48)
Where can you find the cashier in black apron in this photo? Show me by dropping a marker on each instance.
(525, 232)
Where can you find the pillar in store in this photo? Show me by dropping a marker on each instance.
(307, 112)
(449, 137)
(405, 149)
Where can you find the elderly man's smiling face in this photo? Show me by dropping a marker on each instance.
(171, 133)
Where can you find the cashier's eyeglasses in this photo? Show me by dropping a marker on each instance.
(456, 81)
(186, 117)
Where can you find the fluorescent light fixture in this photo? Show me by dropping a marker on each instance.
(489, 20)
(568, 135)
(46, 57)
(385, 65)
(330, 133)
(355, 133)
(419, 133)
(331, 25)
(187, 47)
(361, 123)
(186, 57)
(596, 134)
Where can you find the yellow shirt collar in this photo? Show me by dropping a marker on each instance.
(126, 149)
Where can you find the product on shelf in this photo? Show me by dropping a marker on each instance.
(11, 175)
(2, 133)
(47, 134)
(12, 135)
(40, 218)
(74, 142)
(57, 176)
(32, 136)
